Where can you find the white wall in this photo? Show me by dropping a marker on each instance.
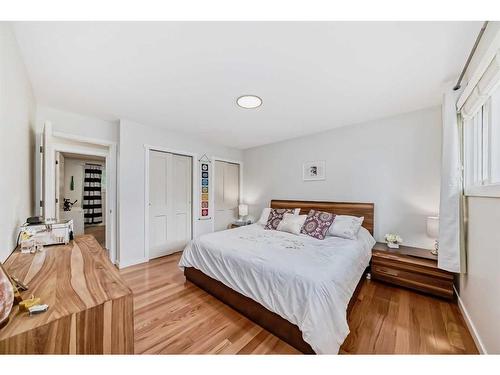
(76, 124)
(394, 163)
(480, 287)
(17, 108)
(133, 138)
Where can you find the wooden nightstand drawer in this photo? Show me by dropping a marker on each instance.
(402, 265)
(418, 281)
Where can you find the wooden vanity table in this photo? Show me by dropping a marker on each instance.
(90, 307)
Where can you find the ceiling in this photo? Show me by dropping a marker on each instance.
(186, 76)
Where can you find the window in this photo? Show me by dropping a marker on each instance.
(482, 149)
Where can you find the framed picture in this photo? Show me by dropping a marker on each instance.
(313, 170)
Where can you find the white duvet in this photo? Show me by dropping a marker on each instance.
(307, 281)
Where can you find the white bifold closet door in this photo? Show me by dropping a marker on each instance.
(170, 187)
(227, 194)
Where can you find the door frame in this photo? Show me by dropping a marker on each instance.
(194, 196)
(92, 147)
(212, 197)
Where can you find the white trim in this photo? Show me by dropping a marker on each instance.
(212, 195)
(131, 263)
(490, 191)
(82, 139)
(110, 155)
(470, 325)
(194, 196)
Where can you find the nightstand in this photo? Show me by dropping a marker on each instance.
(412, 268)
(237, 225)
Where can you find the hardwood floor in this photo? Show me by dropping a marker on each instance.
(99, 232)
(173, 316)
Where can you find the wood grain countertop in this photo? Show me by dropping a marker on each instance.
(69, 278)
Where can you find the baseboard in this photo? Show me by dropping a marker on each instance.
(470, 325)
(130, 263)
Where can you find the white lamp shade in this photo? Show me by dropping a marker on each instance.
(243, 209)
(433, 227)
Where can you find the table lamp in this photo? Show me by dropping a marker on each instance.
(242, 211)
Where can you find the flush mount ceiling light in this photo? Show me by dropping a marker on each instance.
(249, 101)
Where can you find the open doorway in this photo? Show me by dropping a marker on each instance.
(81, 193)
(54, 184)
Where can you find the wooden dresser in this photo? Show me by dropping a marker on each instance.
(412, 268)
(90, 307)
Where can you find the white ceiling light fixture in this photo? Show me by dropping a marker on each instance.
(249, 101)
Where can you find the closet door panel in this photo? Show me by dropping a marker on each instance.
(231, 186)
(227, 191)
(158, 233)
(219, 185)
(181, 200)
(158, 203)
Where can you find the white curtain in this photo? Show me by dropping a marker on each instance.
(451, 187)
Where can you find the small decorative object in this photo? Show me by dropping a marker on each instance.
(37, 309)
(242, 211)
(393, 240)
(433, 232)
(27, 242)
(18, 284)
(313, 170)
(67, 204)
(6, 296)
(24, 305)
(72, 184)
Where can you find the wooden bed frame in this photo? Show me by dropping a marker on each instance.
(269, 320)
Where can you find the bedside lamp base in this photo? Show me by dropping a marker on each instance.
(436, 248)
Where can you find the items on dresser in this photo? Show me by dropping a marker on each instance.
(35, 236)
(25, 305)
(412, 268)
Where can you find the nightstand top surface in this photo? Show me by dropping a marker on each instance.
(406, 250)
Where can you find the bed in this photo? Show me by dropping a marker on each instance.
(297, 287)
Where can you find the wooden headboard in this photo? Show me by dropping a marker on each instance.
(338, 208)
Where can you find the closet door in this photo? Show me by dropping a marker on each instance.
(158, 203)
(227, 194)
(170, 188)
(181, 201)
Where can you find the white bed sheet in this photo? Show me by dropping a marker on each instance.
(307, 281)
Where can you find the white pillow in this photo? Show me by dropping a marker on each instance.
(345, 226)
(291, 223)
(265, 215)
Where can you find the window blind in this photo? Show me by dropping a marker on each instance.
(483, 89)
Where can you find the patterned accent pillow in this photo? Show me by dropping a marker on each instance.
(317, 224)
(275, 217)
